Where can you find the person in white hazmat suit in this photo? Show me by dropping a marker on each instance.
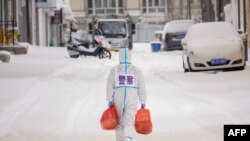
(125, 86)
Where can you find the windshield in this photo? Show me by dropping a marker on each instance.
(113, 29)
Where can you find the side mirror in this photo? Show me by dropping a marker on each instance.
(98, 32)
(184, 42)
(73, 30)
(133, 28)
(90, 28)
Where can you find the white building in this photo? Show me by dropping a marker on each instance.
(53, 15)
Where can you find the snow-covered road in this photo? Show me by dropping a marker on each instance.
(46, 96)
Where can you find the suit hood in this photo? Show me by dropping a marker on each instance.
(124, 56)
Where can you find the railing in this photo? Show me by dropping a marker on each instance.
(8, 32)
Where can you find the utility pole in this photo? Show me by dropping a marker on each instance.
(245, 29)
(239, 26)
(13, 22)
(244, 15)
(28, 20)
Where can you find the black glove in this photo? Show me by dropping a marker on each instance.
(110, 103)
(143, 105)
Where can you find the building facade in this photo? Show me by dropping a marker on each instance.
(38, 22)
(147, 11)
(9, 33)
(162, 11)
(236, 12)
(149, 15)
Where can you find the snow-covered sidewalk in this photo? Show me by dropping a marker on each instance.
(46, 96)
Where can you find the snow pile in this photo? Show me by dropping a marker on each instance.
(5, 56)
(45, 95)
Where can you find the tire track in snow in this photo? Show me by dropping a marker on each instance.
(204, 102)
(72, 120)
(21, 106)
(9, 115)
(76, 110)
(66, 73)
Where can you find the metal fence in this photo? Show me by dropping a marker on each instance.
(8, 32)
(8, 25)
(146, 32)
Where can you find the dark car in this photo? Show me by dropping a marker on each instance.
(174, 32)
(173, 41)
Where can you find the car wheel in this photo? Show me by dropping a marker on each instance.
(74, 56)
(184, 62)
(189, 66)
(165, 47)
(105, 54)
(185, 69)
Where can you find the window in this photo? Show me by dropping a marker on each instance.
(105, 6)
(113, 29)
(41, 0)
(153, 6)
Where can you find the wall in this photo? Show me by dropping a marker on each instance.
(79, 11)
(77, 5)
(133, 4)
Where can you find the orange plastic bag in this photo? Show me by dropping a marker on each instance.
(143, 124)
(109, 119)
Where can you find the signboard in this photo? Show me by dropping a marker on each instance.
(57, 18)
(46, 3)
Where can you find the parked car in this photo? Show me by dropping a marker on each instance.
(211, 46)
(174, 32)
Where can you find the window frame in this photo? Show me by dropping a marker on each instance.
(106, 7)
(146, 9)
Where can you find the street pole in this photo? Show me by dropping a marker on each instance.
(239, 26)
(244, 14)
(1, 22)
(245, 30)
(28, 21)
(13, 22)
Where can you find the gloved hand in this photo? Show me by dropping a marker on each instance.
(110, 103)
(143, 105)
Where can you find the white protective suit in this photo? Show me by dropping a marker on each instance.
(124, 87)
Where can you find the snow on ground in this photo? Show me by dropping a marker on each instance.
(46, 96)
